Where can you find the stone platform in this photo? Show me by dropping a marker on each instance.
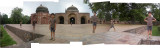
(65, 33)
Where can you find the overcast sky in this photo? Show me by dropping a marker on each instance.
(56, 7)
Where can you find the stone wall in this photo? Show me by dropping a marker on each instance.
(22, 34)
(138, 30)
(149, 42)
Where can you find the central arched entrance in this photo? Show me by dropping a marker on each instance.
(44, 20)
(61, 20)
(82, 20)
(72, 20)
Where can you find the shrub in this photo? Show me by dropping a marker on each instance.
(1, 33)
(159, 28)
(6, 40)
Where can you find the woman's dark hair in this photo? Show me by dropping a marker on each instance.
(111, 18)
(93, 11)
(149, 12)
(52, 14)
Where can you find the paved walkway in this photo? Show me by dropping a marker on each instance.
(116, 37)
(83, 32)
(66, 33)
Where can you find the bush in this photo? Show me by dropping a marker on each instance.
(156, 23)
(159, 28)
(1, 33)
(6, 40)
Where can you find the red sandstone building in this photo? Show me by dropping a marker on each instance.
(72, 14)
(41, 16)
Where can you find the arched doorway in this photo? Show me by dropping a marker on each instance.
(82, 20)
(72, 20)
(44, 20)
(61, 20)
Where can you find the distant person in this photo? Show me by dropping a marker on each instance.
(94, 21)
(71, 23)
(20, 24)
(34, 23)
(4, 25)
(149, 21)
(52, 26)
(112, 25)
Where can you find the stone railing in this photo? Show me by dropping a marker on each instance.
(149, 42)
(23, 34)
(138, 30)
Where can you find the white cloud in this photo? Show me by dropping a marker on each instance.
(56, 7)
(6, 6)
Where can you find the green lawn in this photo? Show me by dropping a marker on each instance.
(155, 31)
(6, 40)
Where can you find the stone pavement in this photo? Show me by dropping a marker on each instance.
(116, 37)
(83, 33)
(121, 37)
(66, 33)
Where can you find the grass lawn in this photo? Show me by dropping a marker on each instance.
(6, 40)
(155, 31)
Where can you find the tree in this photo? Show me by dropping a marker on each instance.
(104, 9)
(26, 19)
(4, 19)
(16, 15)
(156, 11)
(0, 18)
(133, 12)
(123, 11)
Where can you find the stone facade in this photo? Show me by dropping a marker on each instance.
(71, 15)
(41, 16)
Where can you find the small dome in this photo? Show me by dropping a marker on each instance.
(72, 8)
(42, 9)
